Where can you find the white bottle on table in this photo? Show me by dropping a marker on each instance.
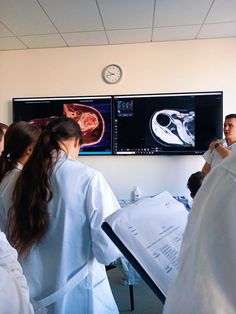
(136, 193)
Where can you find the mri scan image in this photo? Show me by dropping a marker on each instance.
(90, 120)
(173, 127)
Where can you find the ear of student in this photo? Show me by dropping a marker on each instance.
(76, 142)
(29, 150)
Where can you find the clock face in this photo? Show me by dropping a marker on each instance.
(112, 74)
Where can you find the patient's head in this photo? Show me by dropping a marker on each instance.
(195, 181)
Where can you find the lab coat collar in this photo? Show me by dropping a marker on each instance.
(61, 155)
(19, 166)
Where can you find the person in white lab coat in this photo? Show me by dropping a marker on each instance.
(206, 281)
(55, 224)
(19, 141)
(220, 149)
(14, 293)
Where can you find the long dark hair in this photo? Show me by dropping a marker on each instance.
(19, 136)
(28, 220)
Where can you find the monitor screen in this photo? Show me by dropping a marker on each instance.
(94, 115)
(166, 123)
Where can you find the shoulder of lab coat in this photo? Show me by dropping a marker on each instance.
(6, 189)
(207, 256)
(100, 203)
(233, 148)
(14, 294)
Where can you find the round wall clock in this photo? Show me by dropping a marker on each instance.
(112, 73)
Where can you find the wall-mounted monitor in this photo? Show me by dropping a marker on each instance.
(182, 123)
(150, 124)
(94, 115)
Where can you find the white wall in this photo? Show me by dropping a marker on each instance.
(183, 66)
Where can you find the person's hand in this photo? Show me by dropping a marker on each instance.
(213, 144)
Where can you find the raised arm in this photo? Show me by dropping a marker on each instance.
(206, 168)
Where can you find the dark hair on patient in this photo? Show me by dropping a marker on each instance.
(28, 220)
(19, 136)
(231, 116)
(195, 181)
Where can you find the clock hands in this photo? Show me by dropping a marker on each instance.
(112, 73)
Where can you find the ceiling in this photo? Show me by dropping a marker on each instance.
(29, 24)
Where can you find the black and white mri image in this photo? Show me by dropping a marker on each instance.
(173, 127)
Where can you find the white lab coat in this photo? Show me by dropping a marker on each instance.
(14, 294)
(213, 158)
(6, 189)
(206, 282)
(75, 243)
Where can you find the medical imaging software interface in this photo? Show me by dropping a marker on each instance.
(154, 124)
(140, 124)
(93, 114)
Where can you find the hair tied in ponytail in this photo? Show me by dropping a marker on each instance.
(47, 131)
(6, 154)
